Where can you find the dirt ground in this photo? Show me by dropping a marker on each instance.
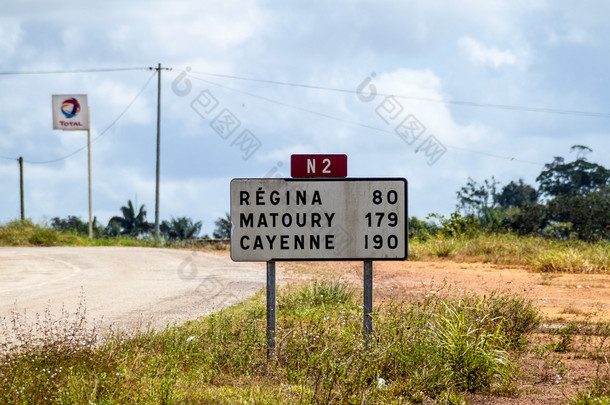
(546, 377)
(560, 297)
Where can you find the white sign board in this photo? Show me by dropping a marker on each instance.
(319, 219)
(70, 112)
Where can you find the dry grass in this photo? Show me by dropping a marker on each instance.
(539, 254)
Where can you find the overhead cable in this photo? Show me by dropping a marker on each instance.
(426, 99)
(324, 115)
(50, 72)
(101, 133)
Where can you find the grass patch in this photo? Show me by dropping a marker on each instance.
(26, 233)
(434, 349)
(537, 253)
(598, 395)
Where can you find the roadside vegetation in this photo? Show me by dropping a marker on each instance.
(433, 349)
(535, 252)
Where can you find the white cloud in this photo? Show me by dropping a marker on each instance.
(573, 35)
(117, 96)
(479, 53)
(10, 36)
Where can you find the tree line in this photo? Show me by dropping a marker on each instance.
(572, 201)
(133, 224)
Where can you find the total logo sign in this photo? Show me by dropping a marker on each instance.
(70, 107)
(70, 112)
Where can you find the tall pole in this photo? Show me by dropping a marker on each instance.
(21, 187)
(89, 171)
(270, 309)
(158, 150)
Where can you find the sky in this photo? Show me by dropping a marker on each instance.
(432, 91)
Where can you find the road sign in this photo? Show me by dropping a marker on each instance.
(318, 165)
(319, 219)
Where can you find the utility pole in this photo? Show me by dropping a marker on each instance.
(158, 69)
(21, 187)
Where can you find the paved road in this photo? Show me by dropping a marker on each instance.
(123, 284)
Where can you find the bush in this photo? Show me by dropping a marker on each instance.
(26, 233)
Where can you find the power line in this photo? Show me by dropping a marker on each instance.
(294, 107)
(494, 155)
(101, 133)
(49, 72)
(426, 99)
(324, 115)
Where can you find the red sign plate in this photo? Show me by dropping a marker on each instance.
(318, 166)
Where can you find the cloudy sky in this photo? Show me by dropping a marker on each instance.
(433, 91)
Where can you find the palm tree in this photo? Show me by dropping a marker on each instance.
(180, 228)
(130, 223)
(223, 227)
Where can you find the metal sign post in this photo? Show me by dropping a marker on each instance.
(368, 302)
(270, 309)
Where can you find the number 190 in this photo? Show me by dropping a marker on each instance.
(378, 242)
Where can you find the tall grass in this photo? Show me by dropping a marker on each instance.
(437, 348)
(537, 253)
(27, 233)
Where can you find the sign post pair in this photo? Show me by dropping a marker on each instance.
(318, 219)
(71, 113)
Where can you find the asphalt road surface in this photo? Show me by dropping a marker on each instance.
(123, 285)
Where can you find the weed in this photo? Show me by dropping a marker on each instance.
(599, 394)
(472, 357)
(443, 247)
(564, 260)
(566, 337)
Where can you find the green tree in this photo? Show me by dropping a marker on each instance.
(480, 202)
(516, 195)
(130, 223)
(531, 218)
(475, 198)
(76, 225)
(223, 227)
(578, 196)
(588, 216)
(577, 177)
(422, 229)
(180, 228)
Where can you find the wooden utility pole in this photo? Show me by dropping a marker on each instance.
(158, 69)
